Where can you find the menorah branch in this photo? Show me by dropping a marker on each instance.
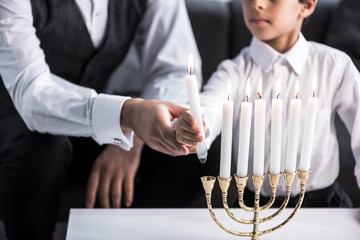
(289, 179)
(303, 176)
(224, 186)
(208, 184)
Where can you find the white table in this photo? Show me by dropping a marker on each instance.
(170, 224)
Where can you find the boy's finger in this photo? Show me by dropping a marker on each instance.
(188, 118)
(189, 128)
(190, 136)
(181, 139)
(192, 149)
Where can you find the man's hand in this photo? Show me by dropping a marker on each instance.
(150, 120)
(113, 175)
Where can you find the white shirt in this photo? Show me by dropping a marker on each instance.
(337, 90)
(50, 104)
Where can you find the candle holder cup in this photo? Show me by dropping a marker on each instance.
(208, 184)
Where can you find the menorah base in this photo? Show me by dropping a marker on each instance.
(208, 184)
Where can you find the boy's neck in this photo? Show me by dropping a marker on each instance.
(283, 44)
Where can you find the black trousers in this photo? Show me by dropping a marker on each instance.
(34, 168)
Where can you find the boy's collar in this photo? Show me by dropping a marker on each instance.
(264, 55)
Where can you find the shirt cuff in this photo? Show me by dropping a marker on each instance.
(106, 121)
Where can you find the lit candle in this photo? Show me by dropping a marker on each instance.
(244, 134)
(276, 131)
(309, 129)
(195, 109)
(293, 132)
(226, 136)
(259, 133)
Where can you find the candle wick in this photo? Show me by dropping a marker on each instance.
(190, 71)
(313, 93)
(297, 94)
(228, 97)
(247, 98)
(259, 94)
(278, 96)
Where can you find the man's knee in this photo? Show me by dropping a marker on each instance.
(31, 152)
(37, 154)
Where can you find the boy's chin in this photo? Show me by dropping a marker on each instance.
(262, 36)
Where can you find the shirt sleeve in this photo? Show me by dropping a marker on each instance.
(106, 121)
(347, 103)
(165, 40)
(46, 102)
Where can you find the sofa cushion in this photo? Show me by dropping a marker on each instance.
(240, 34)
(210, 21)
(318, 23)
(346, 23)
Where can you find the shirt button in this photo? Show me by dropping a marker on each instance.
(117, 141)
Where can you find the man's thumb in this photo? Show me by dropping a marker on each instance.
(175, 110)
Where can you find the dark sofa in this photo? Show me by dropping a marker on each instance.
(220, 34)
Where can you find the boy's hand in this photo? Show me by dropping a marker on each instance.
(187, 132)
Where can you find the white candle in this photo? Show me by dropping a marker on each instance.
(309, 129)
(244, 134)
(293, 132)
(259, 133)
(226, 136)
(195, 109)
(276, 131)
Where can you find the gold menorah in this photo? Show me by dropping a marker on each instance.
(208, 184)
